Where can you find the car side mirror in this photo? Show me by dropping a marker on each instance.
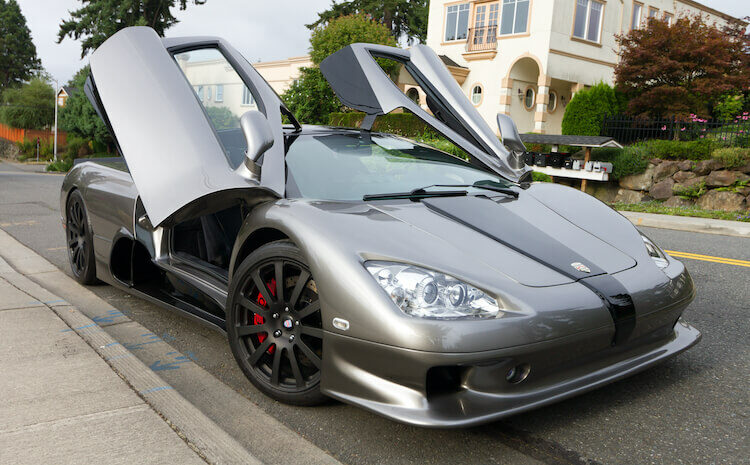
(509, 133)
(511, 140)
(258, 136)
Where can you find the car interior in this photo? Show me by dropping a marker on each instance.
(208, 238)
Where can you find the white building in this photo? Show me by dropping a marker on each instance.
(526, 58)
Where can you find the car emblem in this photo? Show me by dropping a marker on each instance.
(288, 324)
(581, 267)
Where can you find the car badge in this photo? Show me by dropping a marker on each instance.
(288, 324)
(581, 267)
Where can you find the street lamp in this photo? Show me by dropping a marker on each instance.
(57, 92)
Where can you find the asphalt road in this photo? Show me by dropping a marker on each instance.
(691, 409)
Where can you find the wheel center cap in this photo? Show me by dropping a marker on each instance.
(288, 324)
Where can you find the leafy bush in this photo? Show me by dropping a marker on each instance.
(679, 150)
(690, 192)
(626, 161)
(31, 106)
(586, 110)
(732, 157)
(27, 149)
(657, 207)
(443, 144)
(222, 118)
(62, 165)
(403, 124)
(729, 106)
(540, 177)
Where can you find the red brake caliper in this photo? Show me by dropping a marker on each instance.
(258, 320)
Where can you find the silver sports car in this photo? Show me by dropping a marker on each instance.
(358, 265)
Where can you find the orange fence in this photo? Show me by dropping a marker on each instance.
(17, 135)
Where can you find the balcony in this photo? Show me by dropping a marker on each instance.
(481, 43)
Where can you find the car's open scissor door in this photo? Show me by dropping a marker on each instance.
(173, 153)
(360, 83)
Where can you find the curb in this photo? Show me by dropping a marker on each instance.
(204, 436)
(689, 223)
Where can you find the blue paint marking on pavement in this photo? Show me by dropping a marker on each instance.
(159, 366)
(112, 344)
(137, 346)
(108, 317)
(167, 337)
(80, 327)
(160, 388)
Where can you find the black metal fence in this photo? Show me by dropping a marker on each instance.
(628, 129)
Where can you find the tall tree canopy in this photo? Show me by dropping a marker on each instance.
(30, 106)
(683, 68)
(404, 18)
(96, 20)
(18, 59)
(310, 98)
(78, 115)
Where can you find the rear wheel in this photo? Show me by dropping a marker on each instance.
(274, 324)
(80, 243)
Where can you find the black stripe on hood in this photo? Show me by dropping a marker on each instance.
(501, 224)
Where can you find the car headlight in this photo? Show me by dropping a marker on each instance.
(430, 294)
(656, 254)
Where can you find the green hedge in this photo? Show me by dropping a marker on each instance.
(732, 157)
(700, 149)
(626, 161)
(403, 124)
(584, 114)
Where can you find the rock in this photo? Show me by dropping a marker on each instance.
(665, 169)
(630, 196)
(704, 167)
(744, 191)
(745, 169)
(675, 201)
(639, 182)
(606, 192)
(723, 178)
(655, 161)
(682, 176)
(722, 200)
(688, 183)
(662, 190)
(685, 165)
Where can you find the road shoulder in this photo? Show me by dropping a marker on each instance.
(689, 223)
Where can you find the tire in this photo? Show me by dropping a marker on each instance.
(275, 332)
(79, 240)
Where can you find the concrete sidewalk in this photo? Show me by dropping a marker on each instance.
(689, 223)
(61, 402)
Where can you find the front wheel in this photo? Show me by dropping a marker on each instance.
(274, 324)
(80, 243)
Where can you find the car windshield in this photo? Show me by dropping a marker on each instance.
(349, 166)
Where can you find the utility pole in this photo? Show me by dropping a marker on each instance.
(57, 92)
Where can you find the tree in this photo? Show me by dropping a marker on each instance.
(31, 106)
(19, 60)
(97, 20)
(311, 99)
(683, 68)
(404, 18)
(78, 116)
(586, 110)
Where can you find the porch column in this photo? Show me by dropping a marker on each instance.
(506, 93)
(542, 100)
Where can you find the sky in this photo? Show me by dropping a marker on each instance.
(260, 30)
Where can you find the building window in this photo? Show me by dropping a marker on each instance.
(457, 22)
(668, 17)
(515, 17)
(199, 91)
(528, 98)
(635, 21)
(588, 20)
(208, 93)
(219, 93)
(413, 95)
(247, 97)
(485, 23)
(476, 95)
(652, 12)
(552, 105)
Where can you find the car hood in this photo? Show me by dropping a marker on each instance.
(522, 238)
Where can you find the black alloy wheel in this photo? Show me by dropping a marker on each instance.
(79, 241)
(274, 324)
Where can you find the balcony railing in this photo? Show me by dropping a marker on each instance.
(482, 39)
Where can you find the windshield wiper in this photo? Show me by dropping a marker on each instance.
(416, 194)
(482, 185)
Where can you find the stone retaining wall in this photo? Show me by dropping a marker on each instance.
(664, 180)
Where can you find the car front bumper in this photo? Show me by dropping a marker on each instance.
(447, 390)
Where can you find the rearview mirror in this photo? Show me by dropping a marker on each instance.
(509, 133)
(258, 136)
